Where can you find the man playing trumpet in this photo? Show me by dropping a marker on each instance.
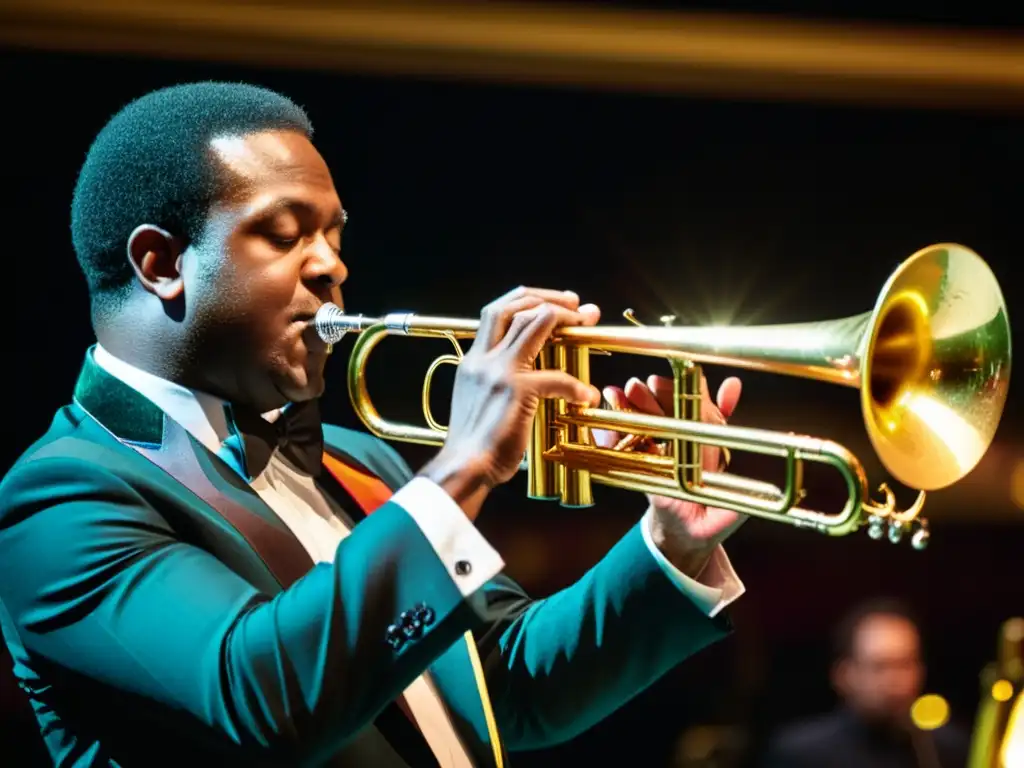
(200, 569)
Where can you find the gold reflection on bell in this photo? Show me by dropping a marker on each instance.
(934, 373)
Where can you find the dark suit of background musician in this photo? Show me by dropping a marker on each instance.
(878, 674)
(165, 529)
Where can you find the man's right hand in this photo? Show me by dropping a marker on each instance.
(497, 390)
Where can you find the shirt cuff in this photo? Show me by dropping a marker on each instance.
(714, 589)
(468, 558)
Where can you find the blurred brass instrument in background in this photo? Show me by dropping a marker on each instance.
(998, 739)
(931, 361)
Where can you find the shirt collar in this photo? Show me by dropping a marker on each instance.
(200, 414)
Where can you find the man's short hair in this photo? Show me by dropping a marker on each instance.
(849, 625)
(151, 164)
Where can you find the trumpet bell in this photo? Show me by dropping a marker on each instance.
(935, 366)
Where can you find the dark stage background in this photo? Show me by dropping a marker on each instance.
(713, 210)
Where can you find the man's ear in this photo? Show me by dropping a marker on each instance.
(155, 255)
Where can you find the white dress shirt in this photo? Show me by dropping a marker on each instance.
(320, 527)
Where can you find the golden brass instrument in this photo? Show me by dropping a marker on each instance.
(998, 739)
(931, 361)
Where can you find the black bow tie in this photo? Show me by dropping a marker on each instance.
(297, 433)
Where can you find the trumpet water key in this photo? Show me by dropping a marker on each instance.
(931, 362)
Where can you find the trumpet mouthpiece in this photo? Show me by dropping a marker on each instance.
(331, 323)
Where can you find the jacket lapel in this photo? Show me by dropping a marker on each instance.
(458, 674)
(138, 424)
(230, 506)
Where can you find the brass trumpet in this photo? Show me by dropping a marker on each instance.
(931, 361)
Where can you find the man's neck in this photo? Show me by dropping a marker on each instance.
(878, 727)
(157, 356)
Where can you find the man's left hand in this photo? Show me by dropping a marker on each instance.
(686, 533)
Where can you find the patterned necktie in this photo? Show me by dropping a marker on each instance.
(297, 433)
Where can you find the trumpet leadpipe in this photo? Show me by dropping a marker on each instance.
(332, 324)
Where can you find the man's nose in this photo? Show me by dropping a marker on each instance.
(325, 264)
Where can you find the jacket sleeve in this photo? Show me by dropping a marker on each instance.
(97, 583)
(557, 666)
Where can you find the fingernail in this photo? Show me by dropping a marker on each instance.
(572, 294)
(634, 381)
(588, 308)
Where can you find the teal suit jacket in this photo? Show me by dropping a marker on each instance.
(146, 630)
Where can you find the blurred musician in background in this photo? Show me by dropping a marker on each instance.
(878, 674)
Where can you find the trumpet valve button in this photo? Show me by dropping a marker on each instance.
(876, 528)
(895, 532)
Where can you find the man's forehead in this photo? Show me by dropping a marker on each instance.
(880, 630)
(265, 167)
(271, 153)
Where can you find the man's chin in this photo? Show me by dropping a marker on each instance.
(309, 385)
